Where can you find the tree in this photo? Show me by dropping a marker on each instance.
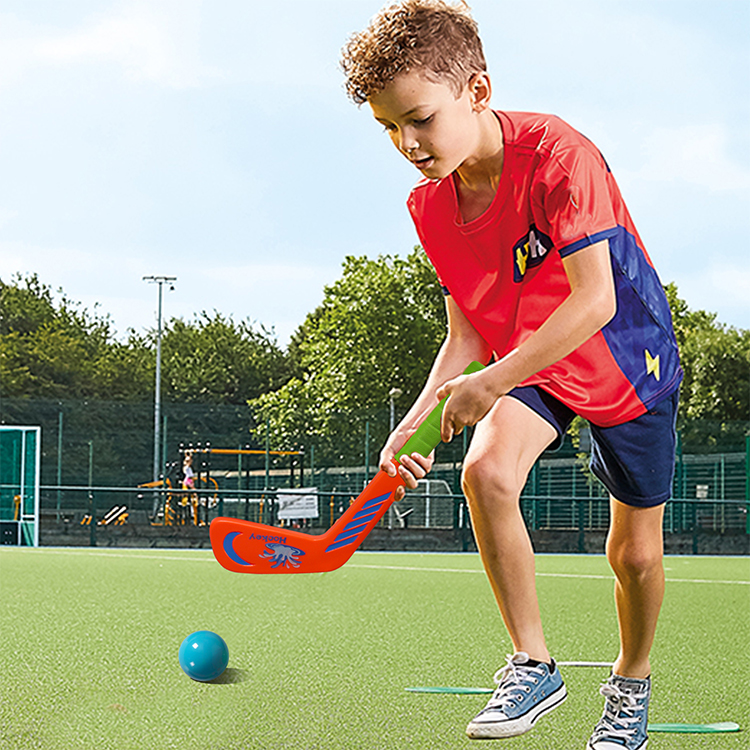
(56, 349)
(48, 348)
(716, 362)
(379, 327)
(57, 361)
(25, 305)
(213, 359)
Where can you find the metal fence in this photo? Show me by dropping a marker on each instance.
(111, 443)
(436, 509)
(95, 454)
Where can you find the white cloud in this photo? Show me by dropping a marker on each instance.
(695, 154)
(158, 43)
(253, 275)
(65, 262)
(6, 216)
(719, 287)
(732, 283)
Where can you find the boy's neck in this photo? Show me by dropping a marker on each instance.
(477, 179)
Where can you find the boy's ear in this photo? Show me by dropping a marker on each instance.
(480, 90)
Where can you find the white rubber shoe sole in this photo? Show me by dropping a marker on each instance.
(490, 730)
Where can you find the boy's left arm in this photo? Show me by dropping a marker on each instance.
(589, 307)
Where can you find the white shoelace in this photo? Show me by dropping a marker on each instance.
(618, 713)
(513, 675)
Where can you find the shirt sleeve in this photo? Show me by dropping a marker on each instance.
(571, 197)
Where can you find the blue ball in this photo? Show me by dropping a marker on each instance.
(203, 655)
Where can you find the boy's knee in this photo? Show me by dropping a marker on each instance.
(632, 560)
(635, 547)
(483, 479)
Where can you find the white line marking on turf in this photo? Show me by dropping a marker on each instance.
(539, 575)
(126, 555)
(99, 552)
(406, 567)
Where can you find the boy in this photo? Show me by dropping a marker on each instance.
(545, 274)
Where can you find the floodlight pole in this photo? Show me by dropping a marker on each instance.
(160, 280)
(394, 393)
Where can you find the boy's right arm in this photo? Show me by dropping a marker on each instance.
(462, 346)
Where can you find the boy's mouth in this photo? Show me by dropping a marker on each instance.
(423, 163)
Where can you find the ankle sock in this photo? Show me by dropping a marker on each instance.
(534, 663)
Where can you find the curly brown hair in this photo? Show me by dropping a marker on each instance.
(435, 36)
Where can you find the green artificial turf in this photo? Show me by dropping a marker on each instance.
(322, 661)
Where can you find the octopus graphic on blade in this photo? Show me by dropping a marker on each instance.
(282, 555)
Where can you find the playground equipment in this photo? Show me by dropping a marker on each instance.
(203, 453)
(176, 504)
(117, 515)
(180, 506)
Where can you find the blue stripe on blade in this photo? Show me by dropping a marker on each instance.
(358, 524)
(376, 500)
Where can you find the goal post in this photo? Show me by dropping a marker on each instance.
(20, 455)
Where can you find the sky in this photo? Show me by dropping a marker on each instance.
(213, 141)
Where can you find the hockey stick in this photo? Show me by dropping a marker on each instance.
(247, 547)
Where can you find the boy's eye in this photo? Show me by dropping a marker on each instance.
(423, 121)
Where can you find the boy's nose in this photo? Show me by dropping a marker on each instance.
(408, 144)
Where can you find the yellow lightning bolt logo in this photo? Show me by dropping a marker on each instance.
(522, 256)
(652, 365)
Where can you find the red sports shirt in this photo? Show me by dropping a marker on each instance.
(504, 269)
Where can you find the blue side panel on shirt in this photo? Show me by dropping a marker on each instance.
(640, 336)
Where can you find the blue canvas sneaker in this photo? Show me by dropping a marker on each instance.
(525, 691)
(625, 719)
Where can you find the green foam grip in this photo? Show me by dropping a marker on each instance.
(427, 436)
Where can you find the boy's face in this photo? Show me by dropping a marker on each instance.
(432, 128)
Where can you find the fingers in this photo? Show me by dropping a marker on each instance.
(449, 426)
(410, 468)
(413, 468)
(446, 424)
(388, 467)
(386, 461)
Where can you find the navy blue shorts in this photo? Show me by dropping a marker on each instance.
(635, 460)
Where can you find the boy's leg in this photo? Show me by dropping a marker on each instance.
(504, 448)
(635, 461)
(635, 551)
